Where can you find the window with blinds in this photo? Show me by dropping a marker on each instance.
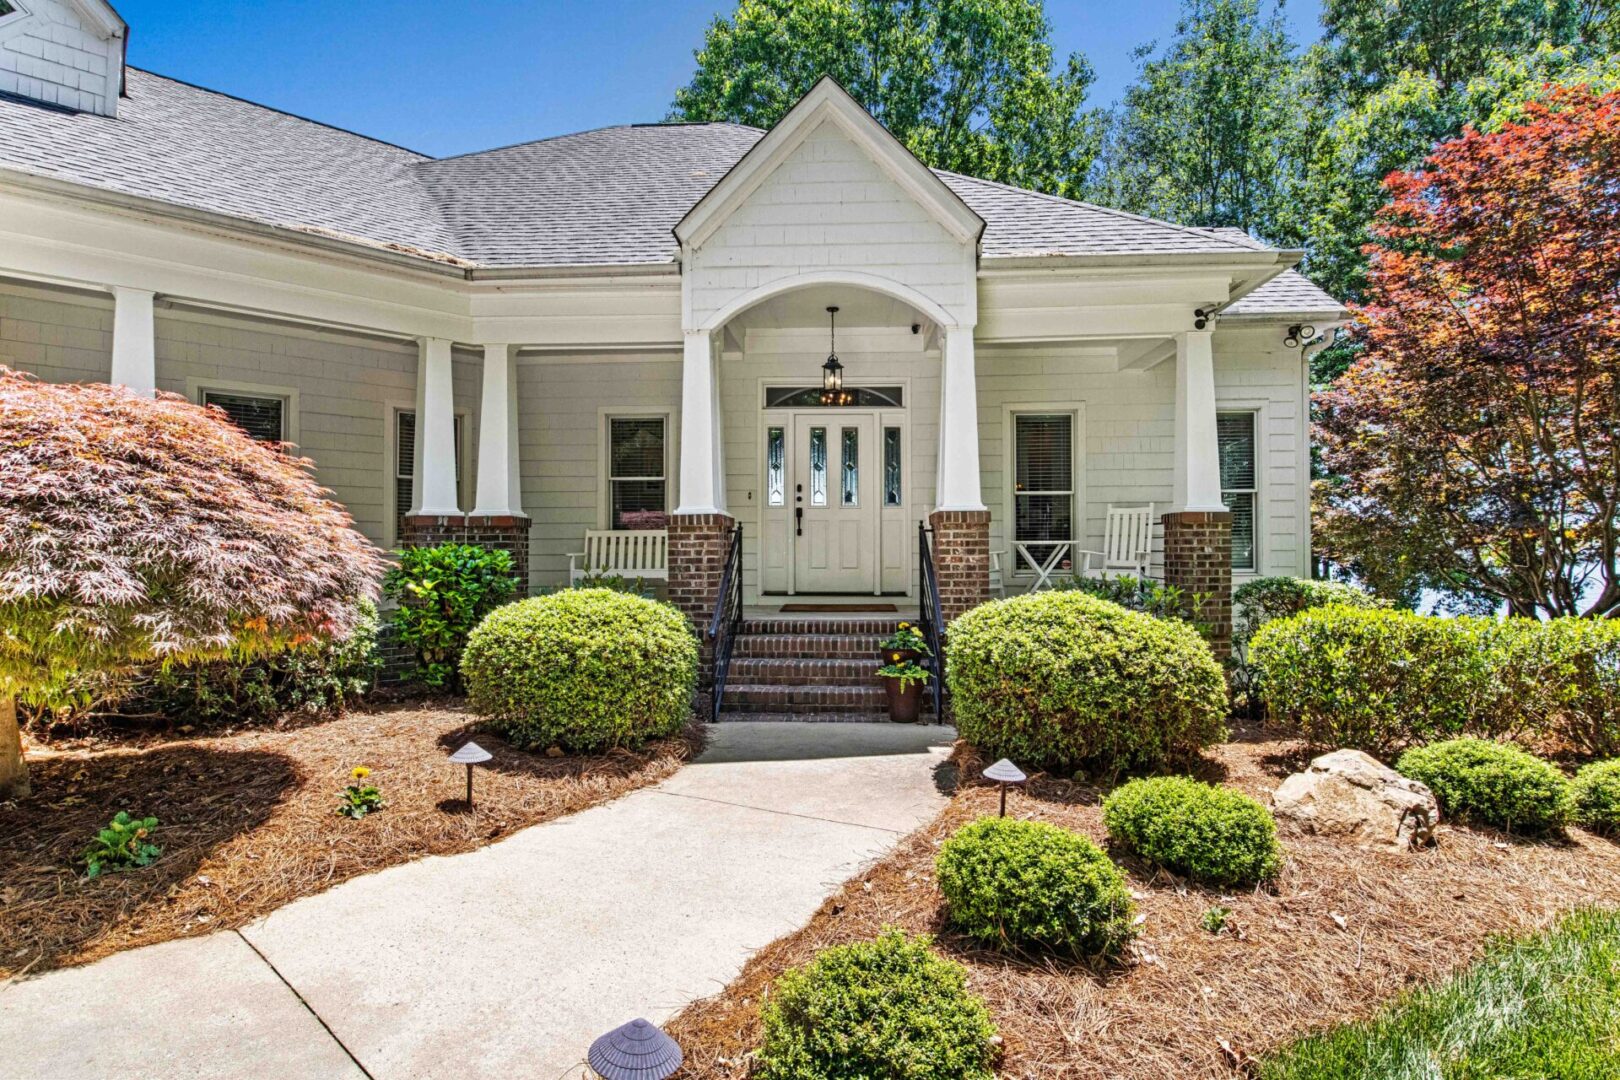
(636, 478)
(263, 417)
(1043, 491)
(405, 465)
(1235, 432)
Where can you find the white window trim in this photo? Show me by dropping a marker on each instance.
(196, 388)
(1258, 407)
(391, 512)
(21, 14)
(604, 459)
(1076, 410)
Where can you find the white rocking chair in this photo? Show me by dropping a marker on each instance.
(1127, 545)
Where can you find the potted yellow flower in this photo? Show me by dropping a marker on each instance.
(903, 677)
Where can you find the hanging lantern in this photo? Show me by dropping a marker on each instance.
(832, 372)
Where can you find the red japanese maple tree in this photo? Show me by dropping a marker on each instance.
(136, 529)
(1473, 446)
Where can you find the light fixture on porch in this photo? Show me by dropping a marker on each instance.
(1298, 335)
(832, 372)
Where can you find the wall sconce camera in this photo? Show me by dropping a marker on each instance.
(1201, 317)
(1298, 334)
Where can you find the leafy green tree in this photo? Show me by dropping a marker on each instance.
(967, 85)
(1211, 131)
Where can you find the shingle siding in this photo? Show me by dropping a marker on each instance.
(50, 55)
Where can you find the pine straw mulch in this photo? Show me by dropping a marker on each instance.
(248, 822)
(1342, 930)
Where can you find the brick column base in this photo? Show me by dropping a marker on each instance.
(1198, 559)
(961, 559)
(509, 534)
(697, 560)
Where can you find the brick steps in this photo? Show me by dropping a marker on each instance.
(786, 668)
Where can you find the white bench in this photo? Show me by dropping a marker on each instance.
(630, 553)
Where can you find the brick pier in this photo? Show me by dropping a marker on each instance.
(1198, 559)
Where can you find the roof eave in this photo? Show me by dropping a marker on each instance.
(1236, 257)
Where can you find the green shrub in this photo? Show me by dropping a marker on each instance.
(1147, 596)
(1492, 784)
(584, 669)
(1562, 679)
(1029, 883)
(122, 845)
(442, 593)
(1210, 834)
(1065, 680)
(1262, 600)
(878, 1009)
(1377, 680)
(316, 677)
(1597, 797)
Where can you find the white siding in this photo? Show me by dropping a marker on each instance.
(827, 207)
(50, 54)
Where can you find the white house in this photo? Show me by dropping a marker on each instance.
(628, 328)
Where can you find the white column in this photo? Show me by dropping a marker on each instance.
(134, 349)
(1198, 466)
(498, 492)
(700, 429)
(959, 481)
(435, 430)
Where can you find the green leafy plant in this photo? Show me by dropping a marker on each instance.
(1147, 596)
(1492, 784)
(1016, 884)
(1597, 797)
(1211, 834)
(442, 593)
(584, 669)
(123, 845)
(907, 638)
(1561, 678)
(907, 672)
(1063, 680)
(605, 579)
(359, 798)
(1215, 918)
(884, 1008)
(1256, 603)
(1378, 680)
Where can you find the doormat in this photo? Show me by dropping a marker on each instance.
(807, 608)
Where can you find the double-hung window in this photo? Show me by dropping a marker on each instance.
(1043, 491)
(1235, 432)
(263, 416)
(405, 464)
(637, 483)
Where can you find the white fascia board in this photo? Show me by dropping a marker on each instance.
(100, 17)
(828, 101)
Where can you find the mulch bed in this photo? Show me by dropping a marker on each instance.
(1340, 932)
(248, 822)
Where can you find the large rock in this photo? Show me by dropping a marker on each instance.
(1349, 793)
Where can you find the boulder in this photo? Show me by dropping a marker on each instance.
(1349, 793)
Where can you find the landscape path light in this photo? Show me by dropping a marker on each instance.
(634, 1051)
(469, 755)
(1004, 772)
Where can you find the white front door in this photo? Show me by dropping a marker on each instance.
(834, 502)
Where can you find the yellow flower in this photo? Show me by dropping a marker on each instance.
(905, 626)
(361, 772)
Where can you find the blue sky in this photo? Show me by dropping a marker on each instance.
(465, 76)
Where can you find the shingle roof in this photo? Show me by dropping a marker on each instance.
(1289, 293)
(605, 197)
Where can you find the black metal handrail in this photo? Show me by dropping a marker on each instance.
(728, 613)
(933, 626)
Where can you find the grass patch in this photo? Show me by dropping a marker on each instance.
(1545, 1005)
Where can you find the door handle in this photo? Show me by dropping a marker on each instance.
(798, 521)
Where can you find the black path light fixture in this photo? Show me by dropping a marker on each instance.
(634, 1051)
(832, 372)
(1005, 772)
(469, 755)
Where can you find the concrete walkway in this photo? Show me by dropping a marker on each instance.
(508, 960)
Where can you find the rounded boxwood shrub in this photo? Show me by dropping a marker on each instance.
(1210, 834)
(1029, 883)
(583, 669)
(1493, 784)
(1561, 678)
(1063, 680)
(1597, 797)
(884, 1008)
(1377, 680)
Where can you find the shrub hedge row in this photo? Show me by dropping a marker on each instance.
(1380, 680)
